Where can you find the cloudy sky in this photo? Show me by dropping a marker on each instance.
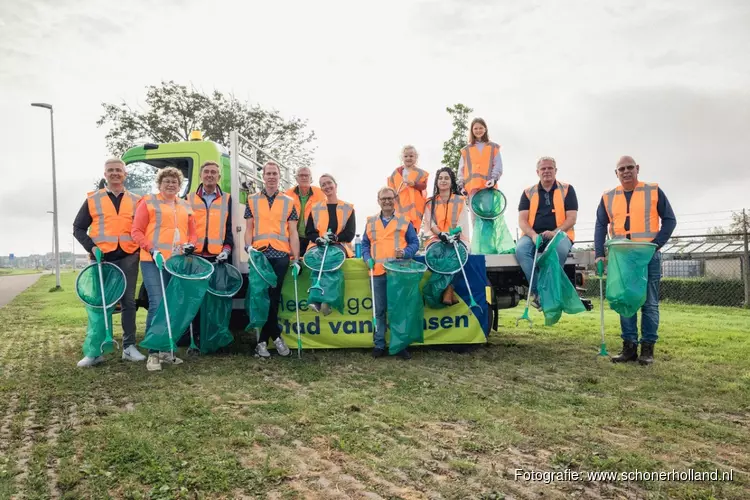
(584, 81)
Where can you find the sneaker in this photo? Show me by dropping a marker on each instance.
(281, 347)
(535, 303)
(315, 306)
(153, 364)
(88, 361)
(169, 358)
(131, 353)
(325, 309)
(262, 351)
(378, 352)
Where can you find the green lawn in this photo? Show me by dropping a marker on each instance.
(342, 425)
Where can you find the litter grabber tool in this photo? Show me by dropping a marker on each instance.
(295, 273)
(107, 325)
(600, 273)
(193, 349)
(525, 314)
(316, 285)
(371, 265)
(455, 242)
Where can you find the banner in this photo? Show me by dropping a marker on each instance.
(456, 324)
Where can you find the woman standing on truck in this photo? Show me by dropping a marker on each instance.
(163, 225)
(480, 165)
(409, 182)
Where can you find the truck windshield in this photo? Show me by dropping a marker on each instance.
(141, 178)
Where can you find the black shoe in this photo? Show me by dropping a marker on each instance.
(535, 303)
(647, 353)
(378, 353)
(629, 353)
(404, 354)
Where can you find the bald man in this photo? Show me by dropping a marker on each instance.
(638, 211)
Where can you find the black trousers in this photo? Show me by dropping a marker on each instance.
(271, 328)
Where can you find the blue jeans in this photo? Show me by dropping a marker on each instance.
(381, 305)
(525, 255)
(150, 274)
(649, 311)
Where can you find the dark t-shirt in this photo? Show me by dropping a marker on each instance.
(545, 217)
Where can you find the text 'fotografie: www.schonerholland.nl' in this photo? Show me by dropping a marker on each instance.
(548, 477)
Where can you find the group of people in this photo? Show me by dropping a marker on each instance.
(284, 225)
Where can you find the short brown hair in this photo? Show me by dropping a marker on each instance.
(271, 162)
(210, 162)
(169, 172)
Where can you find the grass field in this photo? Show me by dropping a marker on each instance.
(7, 271)
(342, 425)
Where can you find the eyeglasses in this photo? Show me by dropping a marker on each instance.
(387, 199)
(171, 181)
(625, 167)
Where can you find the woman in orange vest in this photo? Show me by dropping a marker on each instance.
(409, 182)
(445, 210)
(163, 226)
(335, 216)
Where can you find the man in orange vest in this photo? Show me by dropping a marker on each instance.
(386, 237)
(271, 227)
(305, 195)
(634, 210)
(212, 212)
(545, 208)
(104, 222)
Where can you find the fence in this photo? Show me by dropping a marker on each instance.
(696, 269)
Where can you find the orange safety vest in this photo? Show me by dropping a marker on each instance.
(558, 205)
(210, 223)
(316, 195)
(344, 210)
(163, 222)
(109, 227)
(270, 224)
(409, 200)
(385, 240)
(447, 214)
(477, 166)
(644, 218)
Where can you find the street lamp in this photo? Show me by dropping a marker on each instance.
(54, 190)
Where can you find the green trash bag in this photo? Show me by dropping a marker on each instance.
(627, 274)
(490, 233)
(442, 260)
(184, 296)
(556, 293)
(216, 310)
(332, 282)
(405, 305)
(89, 290)
(260, 278)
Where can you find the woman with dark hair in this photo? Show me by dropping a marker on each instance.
(445, 210)
(480, 165)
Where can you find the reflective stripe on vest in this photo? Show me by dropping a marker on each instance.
(410, 202)
(118, 222)
(320, 220)
(164, 220)
(211, 222)
(269, 217)
(379, 252)
(641, 212)
(316, 195)
(441, 220)
(558, 205)
(476, 176)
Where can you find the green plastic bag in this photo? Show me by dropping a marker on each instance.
(260, 278)
(405, 304)
(490, 234)
(627, 274)
(331, 279)
(216, 310)
(89, 290)
(556, 292)
(434, 288)
(441, 259)
(185, 292)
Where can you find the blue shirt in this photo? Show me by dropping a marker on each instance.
(412, 242)
(663, 208)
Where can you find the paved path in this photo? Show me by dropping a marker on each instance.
(10, 286)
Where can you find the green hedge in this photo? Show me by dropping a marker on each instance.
(703, 291)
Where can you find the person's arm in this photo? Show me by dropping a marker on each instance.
(460, 177)
(497, 166)
(365, 247)
(421, 183)
(350, 230)
(523, 217)
(600, 229)
(81, 226)
(249, 226)
(571, 210)
(311, 232)
(228, 245)
(427, 226)
(291, 222)
(668, 220)
(138, 229)
(412, 242)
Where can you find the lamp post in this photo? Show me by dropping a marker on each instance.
(54, 190)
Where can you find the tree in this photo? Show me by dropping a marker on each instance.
(736, 228)
(452, 147)
(172, 111)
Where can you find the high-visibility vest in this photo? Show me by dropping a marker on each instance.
(270, 224)
(409, 200)
(644, 218)
(316, 194)
(384, 241)
(211, 222)
(109, 227)
(558, 205)
(447, 215)
(344, 210)
(478, 166)
(164, 220)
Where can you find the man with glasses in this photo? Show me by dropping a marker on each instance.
(545, 208)
(633, 210)
(305, 195)
(386, 237)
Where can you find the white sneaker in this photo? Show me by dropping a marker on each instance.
(281, 347)
(153, 364)
(315, 306)
(262, 351)
(167, 357)
(88, 361)
(131, 353)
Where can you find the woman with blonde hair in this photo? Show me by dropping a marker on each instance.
(409, 183)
